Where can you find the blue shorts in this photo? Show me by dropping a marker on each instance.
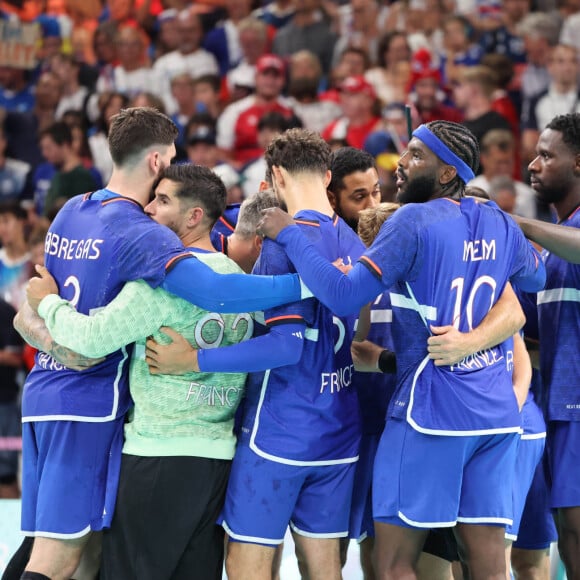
(70, 475)
(434, 481)
(537, 528)
(361, 513)
(563, 445)
(530, 453)
(264, 496)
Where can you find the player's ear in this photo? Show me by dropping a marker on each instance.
(447, 174)
(331, 199)
(327, 178)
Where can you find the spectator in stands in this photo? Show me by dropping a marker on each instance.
(459, 48)
(22, 129)
(132, 74)
(74, 96)
(277, 13)
(189, 58)
(183, 94)
(14, 174)
(390, 78)
(358, 119)
(16, 91)
(224, 40)
(305, 76)
(309, 29)
(167, 39)
(207, 95)
(497, 157)
(14, 256)
(426, 91)
(237, 133)
(561, 97)
(540, 34)
(473, 94)
(71, 177)
(254, 43)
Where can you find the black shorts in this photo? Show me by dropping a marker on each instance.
(164, 525)
(441, 542)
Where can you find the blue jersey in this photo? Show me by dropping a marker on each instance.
(558, 311)
(447, 263)
(307, 413)
(96, 243)
(376, 389)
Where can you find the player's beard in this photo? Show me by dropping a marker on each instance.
(417, 190)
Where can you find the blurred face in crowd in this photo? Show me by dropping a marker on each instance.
(426, 91)
(52, 151)
(515, 10)
(398, 51)
(563, 67)
(497, 160)
(204, 154)
(190, 33)
(455, 36)
(11, 229)
(354, 62)
(48, 90)
(130, 49)
(182, 89)
(269, 83)
(356, 106)
(253, 44)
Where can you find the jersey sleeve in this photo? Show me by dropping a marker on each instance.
(136, 312)
(528, 271)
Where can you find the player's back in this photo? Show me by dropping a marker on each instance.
(308, 412)
(96, 243)
(457, 258)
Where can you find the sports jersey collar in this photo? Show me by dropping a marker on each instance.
(313, 218)
(570, 215)
(106, 196)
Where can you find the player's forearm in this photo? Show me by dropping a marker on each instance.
(502, 321)
(32, 328)
(560, 240)
(343, 294)
(135, 313)
(197, 283)
(280, 347)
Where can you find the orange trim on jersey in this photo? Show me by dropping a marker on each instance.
(572, 214)
(308, 223)
(452, 200)
(175, 259)
(371, 265)
(226, 223)
(335, 220)
(113, 199)
(285, 318)
(87, 195)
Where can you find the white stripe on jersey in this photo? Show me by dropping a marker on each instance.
(559, 295)
(400, 301)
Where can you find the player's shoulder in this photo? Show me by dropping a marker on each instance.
(218, 262)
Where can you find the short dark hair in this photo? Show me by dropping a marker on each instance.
(134, 130)
(213, 80)
(569, 126)
(14, 208)
(197, 186)
(299, 150)
(60, 132)
(345, 161)
(275, 121)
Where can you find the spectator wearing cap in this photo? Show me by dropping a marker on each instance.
(201, 143)
(50, 41)
(309, 29)
(426, 91)
(358, 102)
(253, 43)
(390, 78)
(237, 128)
(189, 58)
(305, 76)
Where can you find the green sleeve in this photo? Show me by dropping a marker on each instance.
(135, 313)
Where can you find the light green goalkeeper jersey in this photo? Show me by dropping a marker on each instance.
(189, 414)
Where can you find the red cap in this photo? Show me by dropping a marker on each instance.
(422, 68)
(357, 84)
(270, 62)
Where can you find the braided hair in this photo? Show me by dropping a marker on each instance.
(569, 126)
(463, 143)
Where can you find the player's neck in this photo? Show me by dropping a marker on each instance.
(198, 240)
(307, 194)
(565, 207)
(131, 186)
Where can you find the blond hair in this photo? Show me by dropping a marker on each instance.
(371, 219)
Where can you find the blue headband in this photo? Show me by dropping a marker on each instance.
(443, 152)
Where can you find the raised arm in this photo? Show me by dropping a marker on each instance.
(560, 240)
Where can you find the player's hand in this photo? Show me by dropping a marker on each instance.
(447, 346)
(273, 221)
(39, 287)
(365, 356)
(176, 358)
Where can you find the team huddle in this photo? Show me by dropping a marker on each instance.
(369, 380)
